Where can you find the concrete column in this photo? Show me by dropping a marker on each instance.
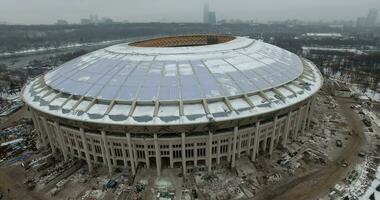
(36, 127)
(286, 134)
(304, 120)
(250, 145)
(312, 104)
(104, 156)
(294, 127)
(85, 147)
(239, 145)
(40, 130)
(158, 155)
(108, 159)
(299, 115)
(134, 151)
(273, 137)
(183, 143)
(131, 154)
(229, 149)
(146, 154)
(124, 155)
(209, 151)
(256, 142)
(61, 141)
(279, 131)
(236, 129)
(76, 143)
(171, 155)
(93, 149)
(44, 122)
(265, 141)
(112, 153)
(195, 154)
(218, 152)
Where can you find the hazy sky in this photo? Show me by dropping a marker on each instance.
(48, 11)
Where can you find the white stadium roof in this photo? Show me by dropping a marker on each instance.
(127, 84)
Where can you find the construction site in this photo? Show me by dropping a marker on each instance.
(336, 159)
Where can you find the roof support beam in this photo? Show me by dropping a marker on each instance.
(47, 94)
(67, 100)
(133, 107)
(205, 106)
(110, 107)
(55, 97)
(228, 103)
(181, 108)
(79, 101)
(156, 107)
(90, 105)
(290, 89)
(282, 97)
(248, 100)
(262, 94)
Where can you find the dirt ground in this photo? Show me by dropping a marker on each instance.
(12, 177)
(314, 184)
(14, 118)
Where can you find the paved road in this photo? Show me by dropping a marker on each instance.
(315, 184)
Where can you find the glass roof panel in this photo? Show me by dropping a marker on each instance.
(109, 92)
(127, 92)
(168, 93)
(177, 74)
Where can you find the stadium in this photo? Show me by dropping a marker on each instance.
(190, 102)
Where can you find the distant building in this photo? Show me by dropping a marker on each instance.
(361, 22)
(85, 21)
(61, 22)
(322, 35)
(206, 10)
(94, 19)
(372, 17)
(106, 20)
(370, 20)
(209, 17)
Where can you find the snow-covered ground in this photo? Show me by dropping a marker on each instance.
(373, 116)
(372, 189)
(10, 97)
(42, 49)
(374, 95)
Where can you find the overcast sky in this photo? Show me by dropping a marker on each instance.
(48, 11)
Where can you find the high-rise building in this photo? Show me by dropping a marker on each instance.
(209, 17)
(370, 20)
(206, 10)
(372, 17)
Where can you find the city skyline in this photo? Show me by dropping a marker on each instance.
(179, 11)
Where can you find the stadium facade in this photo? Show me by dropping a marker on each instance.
(188, 101)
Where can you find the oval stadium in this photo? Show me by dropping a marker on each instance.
(174, 102)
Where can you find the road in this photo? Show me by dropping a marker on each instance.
(315, 184)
